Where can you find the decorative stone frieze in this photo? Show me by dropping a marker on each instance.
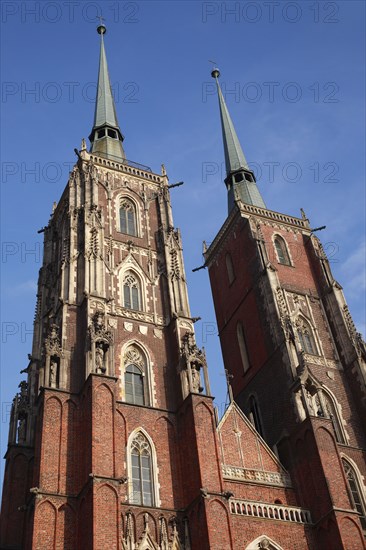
(236, 473)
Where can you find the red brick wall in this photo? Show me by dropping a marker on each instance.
(219, 525)
(16, 484)
(106, 528)
(45, 526)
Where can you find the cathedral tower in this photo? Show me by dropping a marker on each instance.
(296, 362)
(115, 380)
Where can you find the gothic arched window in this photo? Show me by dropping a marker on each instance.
(134, 385)
(356, 491)
(254, 415)
(136, 377)
(306, 339)
(330, 411)
(230, 268)
(281, 250)
(131, 291)
(141, 471)
(127, 218)
(242, 347)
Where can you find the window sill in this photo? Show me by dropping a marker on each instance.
(128, 234)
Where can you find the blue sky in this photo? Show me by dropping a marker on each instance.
(293, 76)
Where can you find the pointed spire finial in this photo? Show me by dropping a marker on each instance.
(101, 29)
(215, 73)
(240, 180)
(106, 137)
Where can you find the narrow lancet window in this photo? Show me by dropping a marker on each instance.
(332, 413)
(127, 216)
(254, 415)
(306, 339)
(141, 470)
(230, 268)
(131, 292)
(242, 347)
(134, 385)
(282, 252)
(136, 379)
(356, 492)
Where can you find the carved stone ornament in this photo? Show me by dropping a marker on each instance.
(112, 323)
(349, 322)
(128, 326)
(128, 542)
(23, 400)
(192, 360)
(281, 305)
(98, 330)
(134, 357)
(137, 315)
(146, 541)
(52, 343)
(191, 352)
(361, 345)
(196, 380)
(158, 333)
(164, 541)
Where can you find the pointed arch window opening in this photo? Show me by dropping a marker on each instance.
(141, 472)
(134, 385)
(306, 342)
(136, 377)
(254, 415)
(306, 339)
(330, 411)
(127, 217)
(356, 492)
(281, 250)
(131, 292)
(230, 268)
(242, 347)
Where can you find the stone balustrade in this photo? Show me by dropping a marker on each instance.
(269, 511)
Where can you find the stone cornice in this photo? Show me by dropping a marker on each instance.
(247, 211)
(230, 220)
(127, 169)
(299, 223)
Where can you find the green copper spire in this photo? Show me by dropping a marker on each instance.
(106, 137)
(240, 180)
